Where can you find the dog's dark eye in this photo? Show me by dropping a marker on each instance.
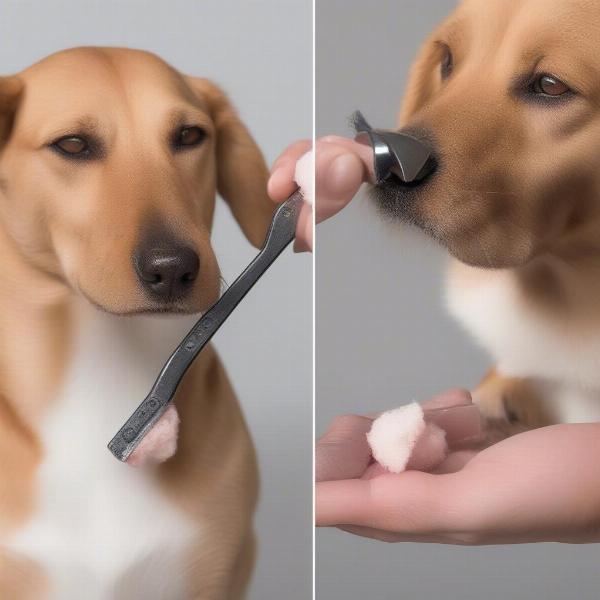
(447, 63)
(549, 85)
(72, 145)
(188, 137)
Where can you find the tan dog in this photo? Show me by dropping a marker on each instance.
(507, 95)
(109, 164)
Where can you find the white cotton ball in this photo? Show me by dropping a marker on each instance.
(305, 176)
(394, 434)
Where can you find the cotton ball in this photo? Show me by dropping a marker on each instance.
(160, 443)
(305, 176)
(394, 435)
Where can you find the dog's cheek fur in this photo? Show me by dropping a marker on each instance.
(504, 190)
(25, 220)
(520, 203)
(477, 213)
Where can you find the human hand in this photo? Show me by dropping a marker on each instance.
(341, 167)
(540, 485)
(282, 184)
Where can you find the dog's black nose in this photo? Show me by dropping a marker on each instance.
(167, 272)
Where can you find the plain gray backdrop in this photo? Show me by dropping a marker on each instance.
(383, 336)
(260, 51)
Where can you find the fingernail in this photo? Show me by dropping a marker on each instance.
(462, 424)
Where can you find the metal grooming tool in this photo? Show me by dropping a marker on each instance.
(281, 232)
(395, 153)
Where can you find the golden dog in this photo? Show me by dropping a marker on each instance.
(109, 165)
(506, 93)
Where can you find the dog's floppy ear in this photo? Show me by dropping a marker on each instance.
(11, 89)
(423, 80)
(242, 173)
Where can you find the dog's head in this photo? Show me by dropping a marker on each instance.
(506, 93)
(109, 165)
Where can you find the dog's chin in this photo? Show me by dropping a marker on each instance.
(490, 247)
(475, 257)
(168, 309)
(148, 307)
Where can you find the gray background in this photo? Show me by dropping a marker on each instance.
(260, 51)
(383, 337)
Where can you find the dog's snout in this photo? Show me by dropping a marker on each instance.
(167, 272)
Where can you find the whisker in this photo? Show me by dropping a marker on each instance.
(488, 192)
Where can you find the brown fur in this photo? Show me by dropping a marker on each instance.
(517, 191)
(69, 229)
(510, 405)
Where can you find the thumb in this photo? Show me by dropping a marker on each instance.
(340, 170)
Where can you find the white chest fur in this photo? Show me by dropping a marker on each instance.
(525, 343)
(102, 529)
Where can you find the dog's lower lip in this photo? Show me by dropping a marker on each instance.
(153, 310)
(171, 308)
(176, 310)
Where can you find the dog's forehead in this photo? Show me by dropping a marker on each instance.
(91, 77)
(513, 35)
(528, 17)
